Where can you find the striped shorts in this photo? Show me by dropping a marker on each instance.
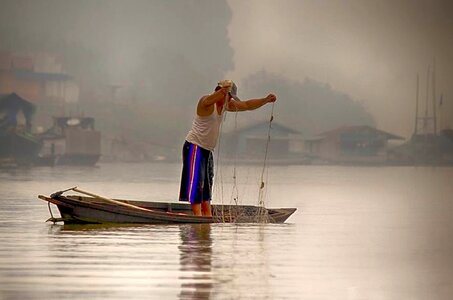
(197, 174)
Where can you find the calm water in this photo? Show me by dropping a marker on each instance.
(359, 233)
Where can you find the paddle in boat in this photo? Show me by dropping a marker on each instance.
(91, 208)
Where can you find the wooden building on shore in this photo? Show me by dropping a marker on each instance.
(249, 143)
(350, 145)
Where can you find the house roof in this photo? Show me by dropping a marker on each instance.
(14, 100)
(353, 129)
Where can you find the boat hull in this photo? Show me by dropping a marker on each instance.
(18, 147)
(87, 210)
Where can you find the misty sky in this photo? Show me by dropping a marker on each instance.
(371, 50)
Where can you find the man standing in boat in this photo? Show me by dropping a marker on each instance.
(198, 164)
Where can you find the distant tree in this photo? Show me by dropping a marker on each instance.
(309, 106)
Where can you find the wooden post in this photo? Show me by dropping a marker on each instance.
(416, 106)
(434, 97)
(425, 120)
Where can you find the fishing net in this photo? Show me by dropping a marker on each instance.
(231, 210)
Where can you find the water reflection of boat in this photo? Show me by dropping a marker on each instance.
(70, 141)
(96, 209)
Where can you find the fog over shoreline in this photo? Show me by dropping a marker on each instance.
(371, 50)
(167, 54)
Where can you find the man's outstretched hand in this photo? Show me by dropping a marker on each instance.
(271, 98)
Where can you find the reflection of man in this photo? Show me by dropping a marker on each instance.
(198, 169)
(195, 259)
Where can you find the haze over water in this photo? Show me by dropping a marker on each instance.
(359, 233)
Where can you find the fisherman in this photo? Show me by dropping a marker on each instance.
(198, 164)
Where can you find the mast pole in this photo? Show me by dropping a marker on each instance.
(425, 119)
(434, 97)
(416, 106)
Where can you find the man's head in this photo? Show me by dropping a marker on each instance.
(233, 89)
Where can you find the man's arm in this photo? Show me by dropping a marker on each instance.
(251, 104)
(215, 97)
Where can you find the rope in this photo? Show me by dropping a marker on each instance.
(262, 210)
(50, 210)
(234, 190)
(52, 218)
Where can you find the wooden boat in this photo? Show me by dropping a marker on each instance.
(70, 141)
(95, 209)
(18, 145)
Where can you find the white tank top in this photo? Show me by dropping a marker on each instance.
(205, 130)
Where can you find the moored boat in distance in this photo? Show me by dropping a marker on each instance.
(18, 145)
(94, 209)
(70, 141)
